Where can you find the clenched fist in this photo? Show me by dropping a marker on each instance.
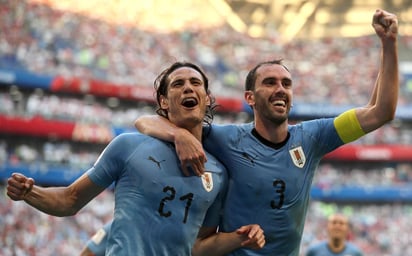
(18, 186)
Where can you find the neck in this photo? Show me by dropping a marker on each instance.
(336, 245)
(193, 125)
(275, 133)
(196, 131)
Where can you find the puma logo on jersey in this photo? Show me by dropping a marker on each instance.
(249, 158)
(155, 161)
(298, 156)
(207, 181)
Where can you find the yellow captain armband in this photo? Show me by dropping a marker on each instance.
(348, 127)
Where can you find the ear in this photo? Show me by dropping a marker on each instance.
(164, 103)
(208, 100)
(250, 98)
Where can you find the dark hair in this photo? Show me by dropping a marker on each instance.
(161, 85)
(251, 76)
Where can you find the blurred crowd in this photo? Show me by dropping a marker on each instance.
(334, 71)
(25, 231)
(48, 41)
(332, 175)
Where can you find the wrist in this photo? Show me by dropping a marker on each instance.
(179, 132)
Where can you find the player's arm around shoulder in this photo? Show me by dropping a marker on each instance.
(188, 148)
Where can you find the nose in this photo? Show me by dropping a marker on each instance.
(280, 86)
(279, 89)
(188, 87)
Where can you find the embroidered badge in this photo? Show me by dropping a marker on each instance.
(298, 156)
(207, 181)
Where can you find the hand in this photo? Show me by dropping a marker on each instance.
(190, 152)
(254, 236)
(18, 186)
(385, 24)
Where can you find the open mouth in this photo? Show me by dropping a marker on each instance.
(279, 103)
(189, 102)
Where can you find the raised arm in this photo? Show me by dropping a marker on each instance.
(188, 148)
(57, 201)
(382, 105)
(209, 242)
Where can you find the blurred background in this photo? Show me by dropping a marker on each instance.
(74, 74)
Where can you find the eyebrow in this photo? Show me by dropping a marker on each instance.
(275, 78)
(179, 79)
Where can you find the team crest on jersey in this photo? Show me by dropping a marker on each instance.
(207, 181)
(298, 156)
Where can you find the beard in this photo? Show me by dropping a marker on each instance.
(267, 112)
(278, 119)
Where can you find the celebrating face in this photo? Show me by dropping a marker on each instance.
(186, 99)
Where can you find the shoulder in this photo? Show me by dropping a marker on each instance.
(233, 126)
(316, 248)
(317, 131)
(353, 247)
(129, 135)
(126, 143)
(132, 138)
(228, 128)
(314, 123)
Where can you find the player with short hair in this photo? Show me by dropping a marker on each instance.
(337, 244)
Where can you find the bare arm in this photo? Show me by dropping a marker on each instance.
(210, 242)
(57, 201)
(382, 105)
(188, 148)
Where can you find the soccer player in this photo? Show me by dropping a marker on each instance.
(336, 245)
(158, 211)
(271, 163)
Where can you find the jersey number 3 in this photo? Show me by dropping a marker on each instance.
(280, 187)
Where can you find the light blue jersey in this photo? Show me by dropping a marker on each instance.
(322, 249)
(270, 185)
(97, 243)
(158, 211)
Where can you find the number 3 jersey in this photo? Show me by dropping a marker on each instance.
(158, 210)
(270, 184)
